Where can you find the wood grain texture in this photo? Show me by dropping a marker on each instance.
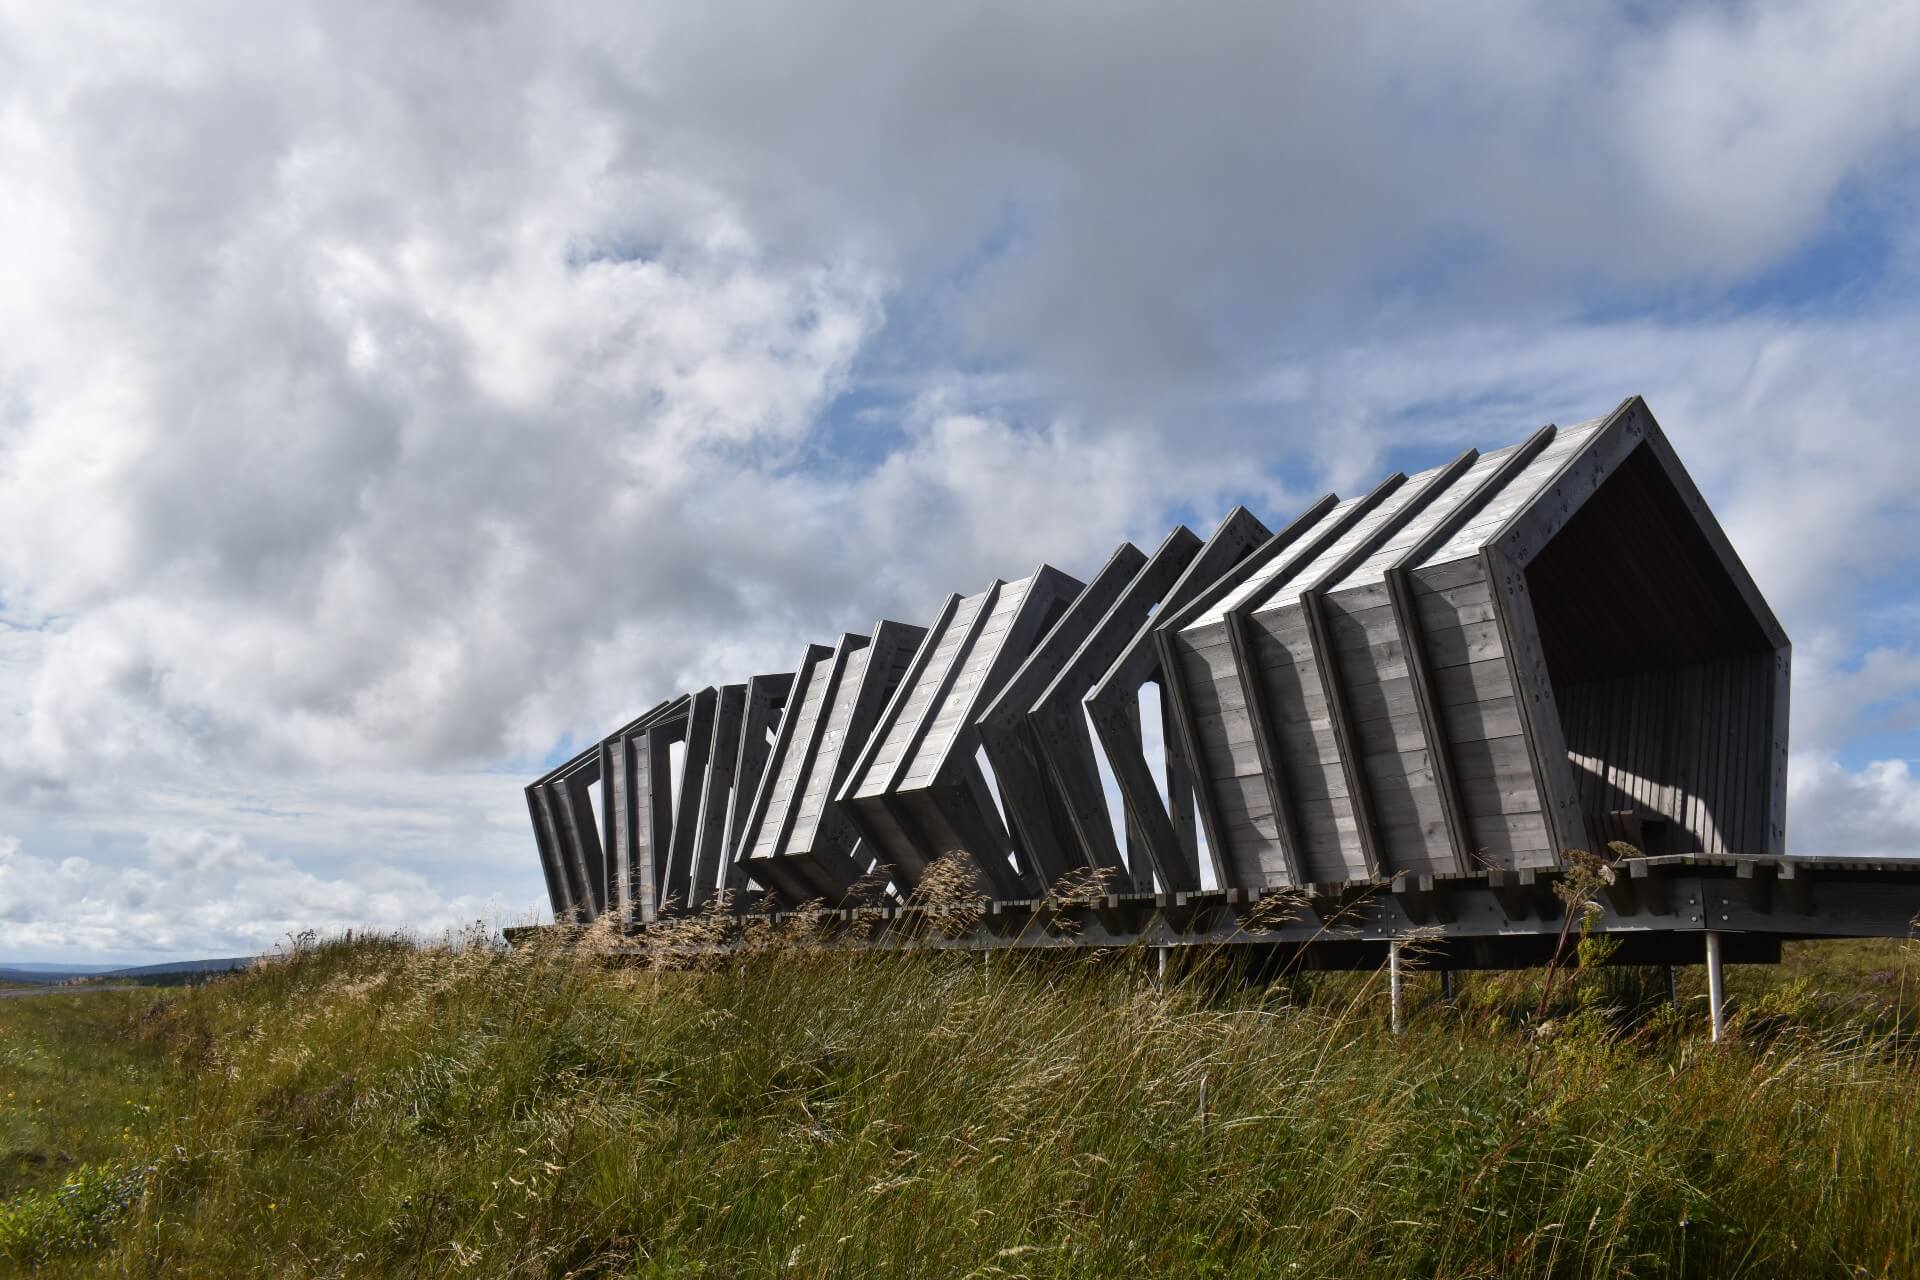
(716, 795)
(1121, 659)
(677, 883)
(1361, 670)
(1284, 858)
(765, 701)
(1184, 635)
(1461, 604)
(916, 798)
(1047, 771)
(816, 840)
(766, 817)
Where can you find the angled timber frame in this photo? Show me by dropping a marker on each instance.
(1106, 677)
(1397, 581)
(767, 818)
(1442, 684)
(1281, 775)
(798, 840)
(569, 886)
(566, 797)
(917, 792)
(1049, 781)
(766, 696)
(1313, 596)
(1183, 668)
(1741, 710)
(546, 840)
(637, 814)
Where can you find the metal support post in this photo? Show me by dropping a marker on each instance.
(1716, 991)
(1393, 982)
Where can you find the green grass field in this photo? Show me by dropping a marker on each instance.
(376, 1109)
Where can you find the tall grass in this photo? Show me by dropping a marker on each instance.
(378, 1109)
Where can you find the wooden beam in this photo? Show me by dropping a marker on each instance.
(1313, 602)
(1165, 826)
(902, 695)
(1173, 686)
(1782, 689)
(1506, 556)
(1179, 775)
(835, 677)
(716, 794)
(911, 863)
(626, 782)
(767, 697)
(559, 900)
(652, 788)
(1399, 584)
(1246, 673)
(810, 670)
(579, 836)
(1561, 804)
(695, 762)
(1028, 761)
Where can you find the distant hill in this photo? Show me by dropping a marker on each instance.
(173, 970)
(178, 968)
(47, 973)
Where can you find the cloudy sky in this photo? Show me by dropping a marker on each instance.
(392, 395)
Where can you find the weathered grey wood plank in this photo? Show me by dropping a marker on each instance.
(716, 795)
(1264, 696)
(677, 887)
(1037, 761)
(760, 835)
(1429, 603)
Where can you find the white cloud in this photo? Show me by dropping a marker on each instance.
(389, 392)
(210, 893)
(1869, 812)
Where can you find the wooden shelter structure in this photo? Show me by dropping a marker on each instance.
(1398, 710)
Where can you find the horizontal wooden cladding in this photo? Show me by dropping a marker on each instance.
(1244, 830)
(1475, 707)
(1307, 751)
(1479, 712)
(1458, 626)
(1250, 830)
